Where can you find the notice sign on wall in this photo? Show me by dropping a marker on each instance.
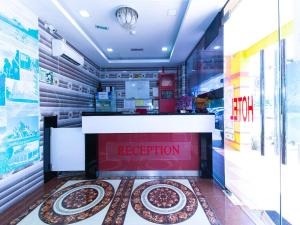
(139, 89)
(162, 151)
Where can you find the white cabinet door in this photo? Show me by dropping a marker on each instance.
(67, 149)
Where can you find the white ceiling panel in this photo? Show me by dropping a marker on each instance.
(154, 29)
(150, 34)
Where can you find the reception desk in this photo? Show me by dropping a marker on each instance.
(160, 144)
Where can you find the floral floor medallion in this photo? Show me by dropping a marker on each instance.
(164, 202)
(76, 202)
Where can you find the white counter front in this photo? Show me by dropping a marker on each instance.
(185, 123)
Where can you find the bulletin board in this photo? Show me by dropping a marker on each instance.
(137, 89)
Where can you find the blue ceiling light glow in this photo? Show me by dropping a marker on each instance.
(164, 49)
(84, 13)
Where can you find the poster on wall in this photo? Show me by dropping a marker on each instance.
(19, 89)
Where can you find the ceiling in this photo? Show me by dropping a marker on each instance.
(154, 29)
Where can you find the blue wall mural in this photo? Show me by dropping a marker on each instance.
(19, 90)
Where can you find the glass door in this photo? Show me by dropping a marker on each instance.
(290, 116)
(262, 155)
(251, 112)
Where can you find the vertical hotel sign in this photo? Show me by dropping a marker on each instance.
(19, 88)
(242, 109)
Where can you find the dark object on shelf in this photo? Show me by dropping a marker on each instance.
(141, 111)
(99, 87)
(201, 105)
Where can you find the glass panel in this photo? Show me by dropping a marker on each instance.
(167, 94)
(270, 115)
(252, 158)
(205, 82)
(290, 34)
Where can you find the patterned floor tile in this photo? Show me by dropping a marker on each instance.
(125, 201)
(76, 202)
(164, 201)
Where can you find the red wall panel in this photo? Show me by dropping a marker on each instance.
(123, 152)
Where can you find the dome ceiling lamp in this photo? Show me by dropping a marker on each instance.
(127, 18)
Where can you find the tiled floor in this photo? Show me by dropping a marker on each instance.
(128, 201)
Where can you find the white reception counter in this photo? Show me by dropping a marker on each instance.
(99, 146)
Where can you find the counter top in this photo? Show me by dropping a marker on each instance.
(93, 123)
(136, 114)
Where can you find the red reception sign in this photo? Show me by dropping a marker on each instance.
(136, 151)
(118, 152)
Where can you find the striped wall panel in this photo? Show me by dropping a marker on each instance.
(73, 87)
(23, 183)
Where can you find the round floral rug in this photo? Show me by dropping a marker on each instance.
(164, 202)
(76, 202)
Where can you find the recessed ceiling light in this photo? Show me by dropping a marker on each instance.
(172, 12)
(109, 49)
(217, 47)
(84, 13)
(164, 49)
(132, 32)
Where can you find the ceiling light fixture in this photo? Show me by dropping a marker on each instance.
(132, 32)
(217, 47)
(164, 49)
(127, 17)
(172, 12)
(109, 49)
(84, 13)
